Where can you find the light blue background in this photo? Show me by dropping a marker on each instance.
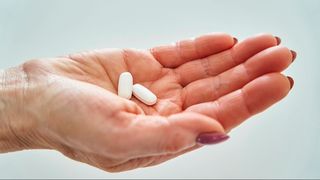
(283, 142)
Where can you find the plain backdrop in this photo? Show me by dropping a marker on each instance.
(282, 142)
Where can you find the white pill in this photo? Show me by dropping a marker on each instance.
(125, 85)
(144, 94)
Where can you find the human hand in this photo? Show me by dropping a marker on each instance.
(204, 86)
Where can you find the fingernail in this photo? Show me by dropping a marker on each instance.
(291, 81)
(211, 138)
(278, 40)
(235, 40)
(294, 55)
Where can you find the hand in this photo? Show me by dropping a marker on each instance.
(207, 85)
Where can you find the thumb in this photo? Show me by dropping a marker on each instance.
(158, 135)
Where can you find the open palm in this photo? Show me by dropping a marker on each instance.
(211, 75)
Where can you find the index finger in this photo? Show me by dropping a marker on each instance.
(186, 50)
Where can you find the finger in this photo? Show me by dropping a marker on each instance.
(187, 50)
(218, 63)
(158, 135)
(274, 59)
(236, 107)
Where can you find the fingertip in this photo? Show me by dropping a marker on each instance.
(282, 81)
(252, 45)
(268, 38)
(274, 82)
(266, 91)
(280, 56)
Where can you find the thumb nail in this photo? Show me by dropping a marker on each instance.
(211, 138)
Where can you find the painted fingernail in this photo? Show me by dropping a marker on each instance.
(235, 40)
(278, 40)
(291, 81)
(294, 55)
(211, 138)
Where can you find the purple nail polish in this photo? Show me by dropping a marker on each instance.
(278, 40)
(211, 138)
(235, 40)
(291, 81)
(294, 55)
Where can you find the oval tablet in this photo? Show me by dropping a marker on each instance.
(125, 85)
(144, 94)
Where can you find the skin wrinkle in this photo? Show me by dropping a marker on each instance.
(8, 81)
(233, 57)
(86, 72)
(125, 58)
(217, 116)
(178, 77)
(82, 69)
(4, 143)
(107, 74)
(184, 97)
(154, 55)
(2, 105)
(206, 66)
(246, 106)
(97, 59)
(178, 47)
(247, 75)
(64, 64)
(196, 47)
(217, 89)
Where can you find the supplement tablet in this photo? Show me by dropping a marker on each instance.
(125, 85)
(144, 94)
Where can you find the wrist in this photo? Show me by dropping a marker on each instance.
(18, 128)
